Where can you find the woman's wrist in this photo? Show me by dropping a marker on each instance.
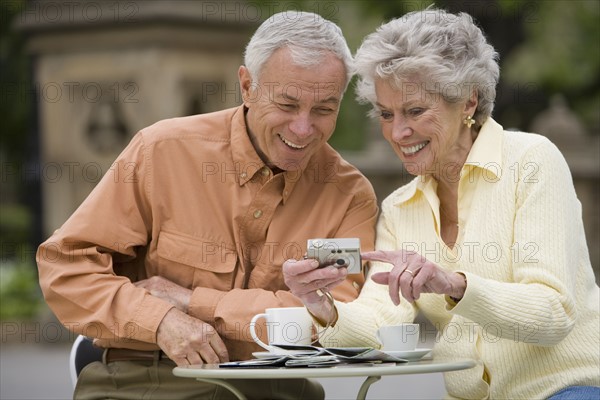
(324, 312)
(459, 287)
(325, 321)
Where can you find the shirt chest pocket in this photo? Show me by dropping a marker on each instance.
(195, 262)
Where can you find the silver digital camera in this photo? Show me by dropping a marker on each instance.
(337, 252)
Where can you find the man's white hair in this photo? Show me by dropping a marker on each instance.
(308, 36)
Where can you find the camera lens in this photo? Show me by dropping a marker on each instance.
(340, 261)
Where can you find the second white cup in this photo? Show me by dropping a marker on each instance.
(286, 325)
(403, 337)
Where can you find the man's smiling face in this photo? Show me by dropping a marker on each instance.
(292, 110)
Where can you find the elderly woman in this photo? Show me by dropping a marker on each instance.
(487, 241)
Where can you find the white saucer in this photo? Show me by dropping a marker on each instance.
(268, 354)
(410, 355)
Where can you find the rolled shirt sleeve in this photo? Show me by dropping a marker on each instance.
(190, 200)
(77, 263)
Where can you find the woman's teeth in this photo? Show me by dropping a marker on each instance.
(292, 145)
(413, 149)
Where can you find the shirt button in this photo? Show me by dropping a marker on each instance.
(257, 213)
(243, 175)
(265, 171)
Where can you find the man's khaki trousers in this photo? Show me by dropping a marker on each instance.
(155, 380)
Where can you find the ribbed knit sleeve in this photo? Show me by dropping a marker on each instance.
(538, 307)
(530, 314)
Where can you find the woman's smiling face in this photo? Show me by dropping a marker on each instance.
(425, 131)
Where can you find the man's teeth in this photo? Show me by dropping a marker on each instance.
(292, 145)
(413, 149)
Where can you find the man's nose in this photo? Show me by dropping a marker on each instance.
(301, 124)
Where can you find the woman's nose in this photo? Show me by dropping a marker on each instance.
(400, 130)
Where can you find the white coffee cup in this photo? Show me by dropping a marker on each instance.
(287, 325)
(403, 337)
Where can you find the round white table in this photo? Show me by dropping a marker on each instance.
(212, 373)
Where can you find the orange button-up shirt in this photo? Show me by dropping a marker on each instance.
(189, 199)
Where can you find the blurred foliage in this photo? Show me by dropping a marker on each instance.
(20, 294)
(14, 84)
(15, 227)
(561, 54)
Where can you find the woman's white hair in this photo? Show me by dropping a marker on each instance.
(307, 35)
(445, 53)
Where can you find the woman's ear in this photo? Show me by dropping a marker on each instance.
(471, 104)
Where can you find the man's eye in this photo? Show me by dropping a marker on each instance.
(386, 115)
(414, 112)
(286, 106)
(324, 110)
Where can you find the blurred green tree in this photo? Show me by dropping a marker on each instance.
(14, 85)
(561, 54)
(20, 296)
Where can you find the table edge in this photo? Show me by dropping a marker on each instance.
(416, 367)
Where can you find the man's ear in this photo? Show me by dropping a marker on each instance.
(245, 84)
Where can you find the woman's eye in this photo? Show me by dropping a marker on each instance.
(386, 115)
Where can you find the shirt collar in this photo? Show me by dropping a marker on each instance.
(485, 153)
(245, 158)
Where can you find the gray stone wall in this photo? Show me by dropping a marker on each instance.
(104, 70)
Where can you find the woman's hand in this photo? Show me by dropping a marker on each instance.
(413, 274)
(305, 279)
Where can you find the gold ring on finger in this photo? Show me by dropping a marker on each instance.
(409, 271)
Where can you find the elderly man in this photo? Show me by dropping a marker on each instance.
(183, 241)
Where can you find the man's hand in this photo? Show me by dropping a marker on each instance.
(187, 340)
(413, 274)
(165, 289)
(304, 279)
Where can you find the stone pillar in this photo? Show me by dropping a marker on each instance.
(104, 70)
